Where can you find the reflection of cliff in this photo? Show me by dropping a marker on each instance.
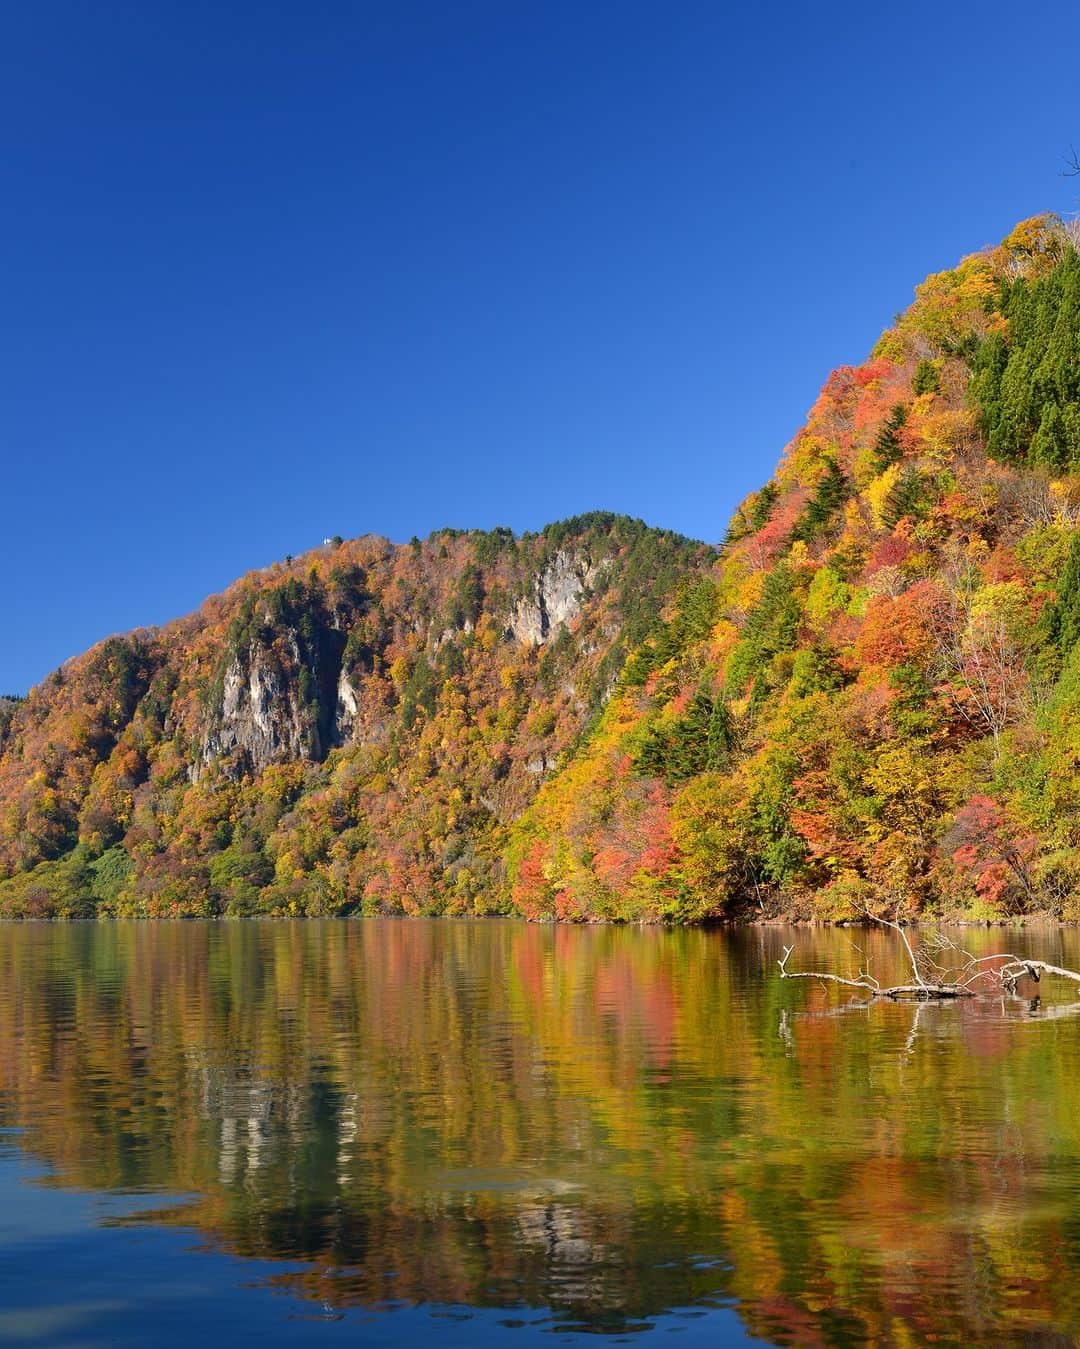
(606, 1122)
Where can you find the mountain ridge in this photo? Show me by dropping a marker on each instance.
(345, 652)
(868, 696)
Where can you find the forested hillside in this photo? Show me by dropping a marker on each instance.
(874, 696)
(870, 694)
(351, 730)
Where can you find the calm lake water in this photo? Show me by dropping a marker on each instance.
(396, 1132)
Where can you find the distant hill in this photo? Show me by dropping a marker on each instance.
(870, 695)
(355, 728)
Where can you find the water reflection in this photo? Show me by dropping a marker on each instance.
(605, 1128)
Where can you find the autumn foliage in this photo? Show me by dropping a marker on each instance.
(894, 636)
(869, 695)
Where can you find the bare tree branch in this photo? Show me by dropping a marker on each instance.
(871, 985)
(967, 976)
(1020, 965)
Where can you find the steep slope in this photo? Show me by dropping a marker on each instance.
(354, 729)
(874, 695)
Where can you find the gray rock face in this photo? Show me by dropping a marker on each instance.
(260, 716)
(286, 695)
(555, 600)
(347, 707)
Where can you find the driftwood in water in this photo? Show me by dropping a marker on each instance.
(940, 969)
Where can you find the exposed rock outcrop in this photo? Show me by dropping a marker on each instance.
(555, 598)
(261, 719)
(348, 706)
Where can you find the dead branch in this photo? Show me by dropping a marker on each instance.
(871, 985)
(934, 975)
(1018, 966)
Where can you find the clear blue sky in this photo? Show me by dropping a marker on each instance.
(274, 271)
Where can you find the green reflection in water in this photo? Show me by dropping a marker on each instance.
(605, 1122)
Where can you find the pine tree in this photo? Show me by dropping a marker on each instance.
(887, 446)
(832, 491)
(699, 741)
(1027, 389)
(1059, 622)
(763, 505)
(905, 499)
(927, 379)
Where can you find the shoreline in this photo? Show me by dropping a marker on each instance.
(1016, 923)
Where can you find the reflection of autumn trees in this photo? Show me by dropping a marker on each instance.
(605, 1121)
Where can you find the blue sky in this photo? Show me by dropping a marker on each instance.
(272, 272)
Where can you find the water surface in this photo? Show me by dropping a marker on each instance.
(384, 1131)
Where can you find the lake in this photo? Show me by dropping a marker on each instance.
(489, 1133)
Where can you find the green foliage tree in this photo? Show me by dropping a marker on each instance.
(699, 741)
(905, 499)
(830, 493)
(926, 378)
(772, 627)
(1026, 386)
(1060, 620)
(887, 446)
